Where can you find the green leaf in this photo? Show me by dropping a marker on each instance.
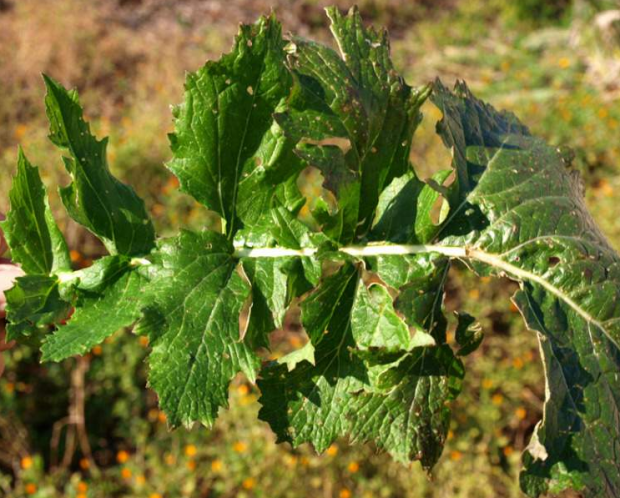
(320, 307)
(96, 199)
(192, 319)
(353, 117)
(31, 232)
(411, 420)
(109, 298)
(375, 324)
(335, 396)
(522, 214)
(33, 304)
(270, 296)
(228, 152)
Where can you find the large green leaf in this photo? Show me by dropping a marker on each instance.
(192, 320)
(353, 117)
(228, 152)
(521, 213)
(96, 199)
(343, 393)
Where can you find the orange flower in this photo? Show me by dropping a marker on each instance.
(332, 450)
(126, 473)
(31, 488)
(521, 413)
(216, 465)
(84, 464)
(249, 483)
(191, 450)
(240, 447)
(564, 62)
(517, 363)
(456, 455)
(97, 350)
(191, 465)
(508, 450)
(155, 495)
(243, 390)
(344, 493)
(144, 341)
(82, 487)
(353, 467)
(497, 399)
(122, 456)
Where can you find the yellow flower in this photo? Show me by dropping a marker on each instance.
(81, 495)
(487, 383)
(603, 113)
(344, 493)
(497, 399)
(140, 480)
(240, 447)
(216, 465)
(191, 450)
(456, 455)
(126, 473)
(155, 495)
(169, 459)
(31, 488)
(505, 66)
(474, 294)
(122, 456)
(26, 462)
(332, 450)
(248, 483)
(564, 62)
(521, 413)
(450, 435)
(353, 467)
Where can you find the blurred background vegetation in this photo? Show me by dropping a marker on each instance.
(88, 428)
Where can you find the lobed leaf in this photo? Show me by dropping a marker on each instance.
(95, 198)
(526, 218)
